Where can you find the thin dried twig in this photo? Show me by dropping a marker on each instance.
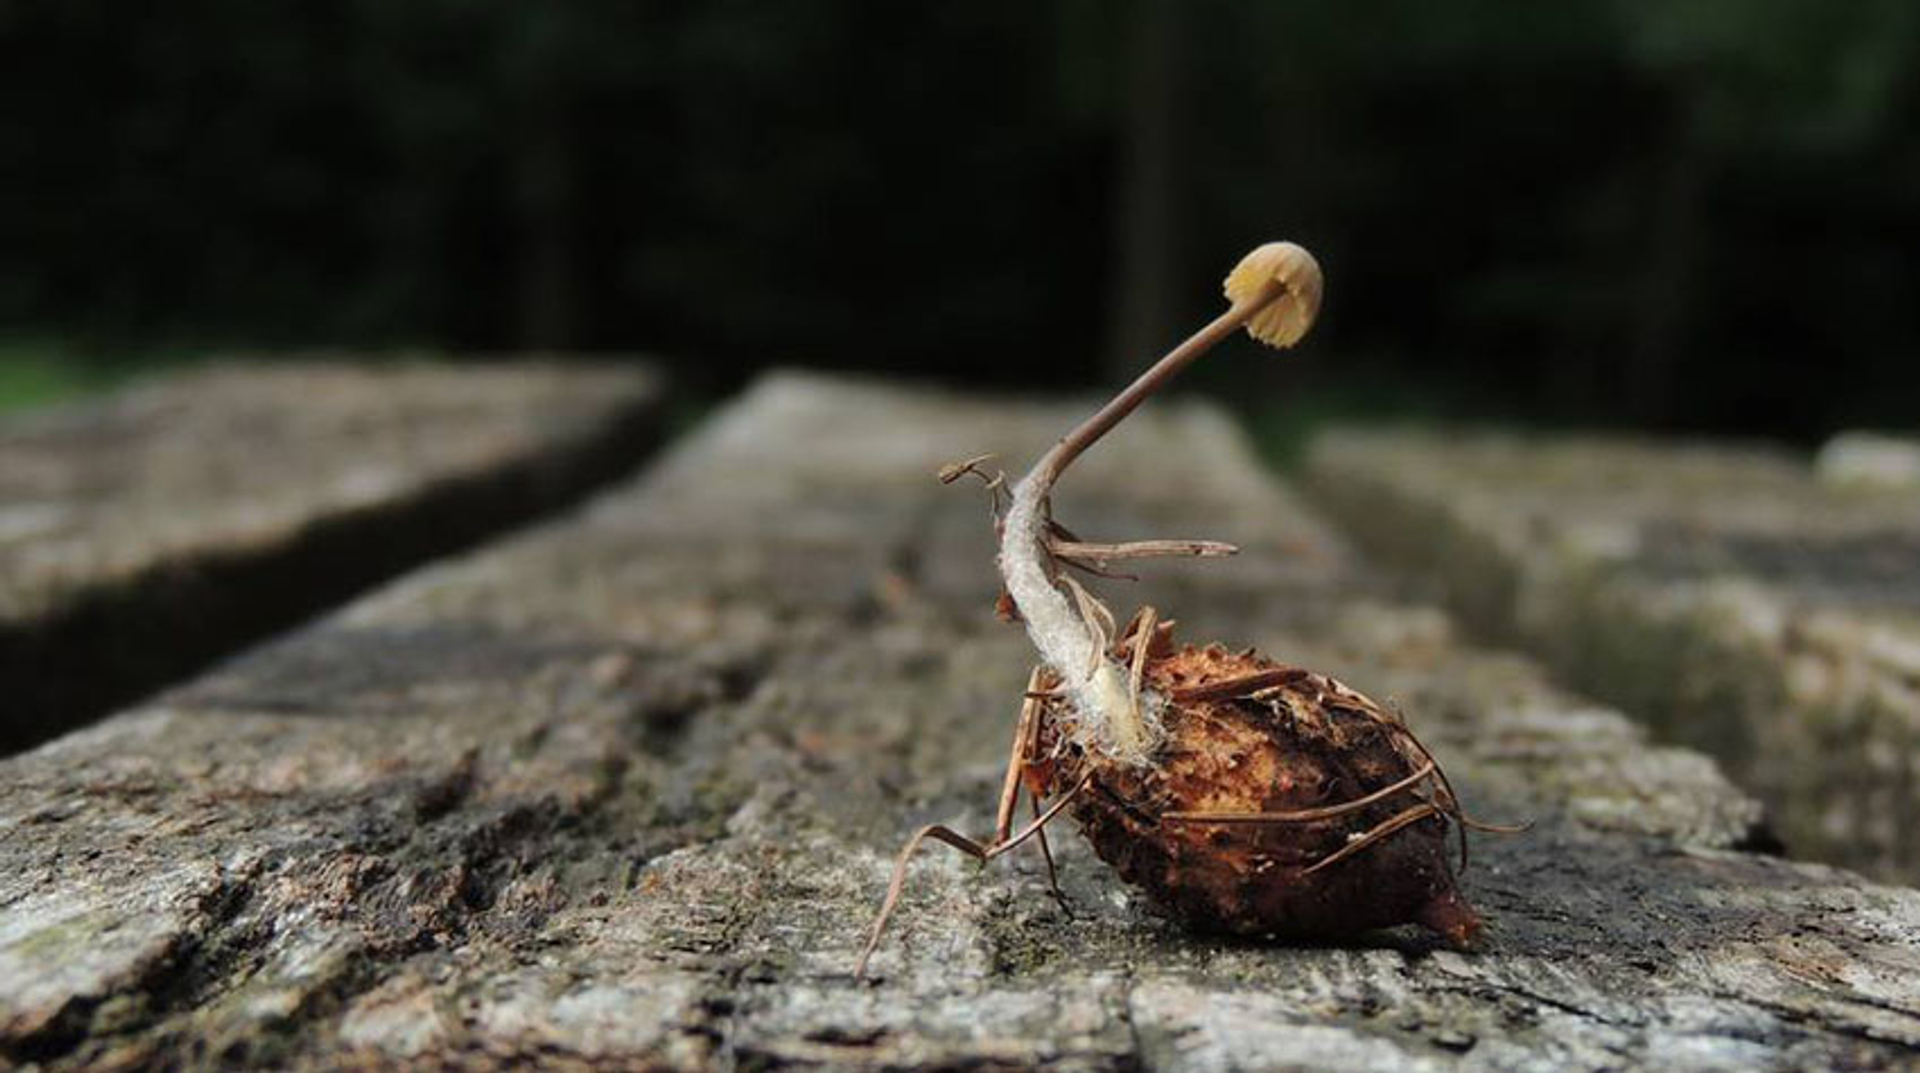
(1096, 571)
(1306, 815)
(953, 471)
(1411, 816)
(1098, 619)
(996, 485)
(1140, 549)
(1144, 624)
(981, 851)
(1245, 686)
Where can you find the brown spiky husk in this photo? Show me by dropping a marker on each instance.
(1304, 742)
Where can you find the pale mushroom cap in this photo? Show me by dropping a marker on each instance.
(1282, 321)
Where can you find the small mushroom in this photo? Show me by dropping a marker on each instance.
(1241, 793)
(1275, 293)
(1284, 320)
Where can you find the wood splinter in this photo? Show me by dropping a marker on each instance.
(1242, 794)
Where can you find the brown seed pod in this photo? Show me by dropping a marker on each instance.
(1282, 803)
(1243, 795)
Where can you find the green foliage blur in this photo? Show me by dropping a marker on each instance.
(1699, 215)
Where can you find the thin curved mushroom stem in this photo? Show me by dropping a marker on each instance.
(1055, 462)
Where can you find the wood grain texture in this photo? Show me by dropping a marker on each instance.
(625, 789)
(1740, 599)
(147, 533)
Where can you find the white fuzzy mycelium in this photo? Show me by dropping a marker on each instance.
(1109, 718)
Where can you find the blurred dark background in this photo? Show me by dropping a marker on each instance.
(1696, 216)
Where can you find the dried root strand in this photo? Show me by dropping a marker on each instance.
(1245, 686)
(980, 851)
(996, 484)
(1059, 536)
(1408, 818)
(1067, 549)
(1095, 569)
(1101, 554)
(1307, 815)
(1143, 626)
(953, 471)
(1046, 854)
(1448, 802)
(1025, 730)
(1098, 619)
(1159, 636)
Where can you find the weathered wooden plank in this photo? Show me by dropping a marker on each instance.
(625, 790)
(1863, 460)
(143, 535)
(1731, 595)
